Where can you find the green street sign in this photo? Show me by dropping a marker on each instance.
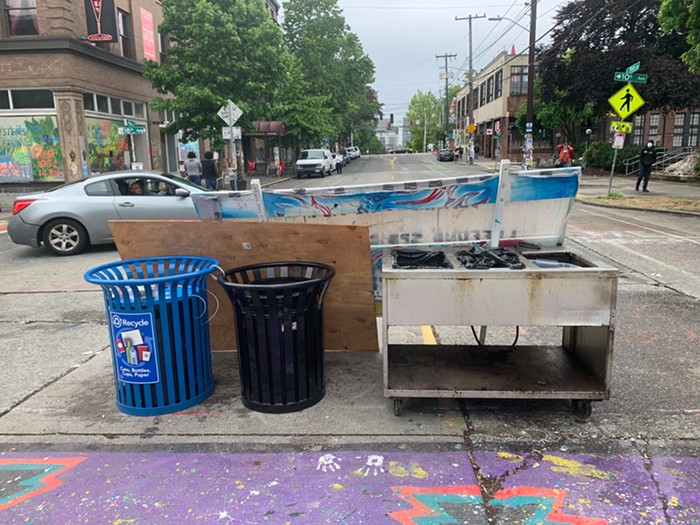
(638, 78)
(633, 68)
(132, 130)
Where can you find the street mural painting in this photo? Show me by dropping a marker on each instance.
(25, 478)
(30, 150)
(106, 147)
(351, 487)
(528, 206)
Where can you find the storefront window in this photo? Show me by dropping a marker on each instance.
(32, 98)
(102, 104)
(30, 149)
(21, 17)
(89, 101)
(116, 106)
(4, 100)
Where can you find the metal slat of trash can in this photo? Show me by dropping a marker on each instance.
(278, 310)
(158, 318)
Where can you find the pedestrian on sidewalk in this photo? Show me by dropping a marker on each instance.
(339, 160)
(209, 171)
(566, 153)
(476, 152)
(193, 168)
(470, 153)
(647, 157)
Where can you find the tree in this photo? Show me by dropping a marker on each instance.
(331, 60)
(221, 50)
(678, 16)
(591, 42)
(424, 115)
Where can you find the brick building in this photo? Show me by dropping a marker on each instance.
(66, 89)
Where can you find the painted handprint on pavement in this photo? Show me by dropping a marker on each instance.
(327, 463)
(374, 463)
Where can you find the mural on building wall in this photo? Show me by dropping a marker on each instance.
(105, 145)
(30, 150)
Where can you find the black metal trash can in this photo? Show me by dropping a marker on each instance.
(278, 310)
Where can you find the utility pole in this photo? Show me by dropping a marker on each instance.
(530, 113)
(470, 109)
(425, 130)
(447, 102)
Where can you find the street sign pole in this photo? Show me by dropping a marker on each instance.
(612, 170)
(232, 150)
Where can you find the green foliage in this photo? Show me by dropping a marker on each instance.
(219, 51)
(332, 62)
(601, 154)
(590, 43)
(424, 110)
(696, 166)
(614, 195)
(683, 16)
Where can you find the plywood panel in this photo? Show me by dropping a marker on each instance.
(349, 304)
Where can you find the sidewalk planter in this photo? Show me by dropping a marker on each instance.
(158, 326)
(278, 310)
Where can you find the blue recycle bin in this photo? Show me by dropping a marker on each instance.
(158, 326)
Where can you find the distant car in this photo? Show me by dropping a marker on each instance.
(69, 218)
(314, 162)
(354, 152)
(445, 154)
(349, 155)
(401, 150)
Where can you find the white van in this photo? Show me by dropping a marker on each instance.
(314, 162)
(354, 151)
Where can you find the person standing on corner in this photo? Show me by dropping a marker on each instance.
(647, 157)
(566, 153)
(193, 168)
(209, 171)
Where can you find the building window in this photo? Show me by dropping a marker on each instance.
(20, 17)
(89, 101)
(162, 47)
(116, 105)
(678, 129)
(499, 83)
(482, 94)
(654, 120)
(475, 98)
(124, 28)
(128, 108)
(139, 110)
(694, 130)
(32, 98)
(4, 99)
(638, 129)
(102, 104)
(518, 80)
(489, 89)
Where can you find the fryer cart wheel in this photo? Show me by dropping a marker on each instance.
(398, 405)
(582, 408)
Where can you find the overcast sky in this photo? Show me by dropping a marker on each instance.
(402, 38)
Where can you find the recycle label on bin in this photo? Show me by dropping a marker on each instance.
(134, 347)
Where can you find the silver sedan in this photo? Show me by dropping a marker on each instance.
(69, 218)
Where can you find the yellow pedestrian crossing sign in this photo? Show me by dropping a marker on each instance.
(621, 127)
(626, 101)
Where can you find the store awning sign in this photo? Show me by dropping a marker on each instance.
(101, 20)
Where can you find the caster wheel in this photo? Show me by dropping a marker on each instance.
(398, 405)
(582, 408)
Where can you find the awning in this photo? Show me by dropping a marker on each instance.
(267, 128)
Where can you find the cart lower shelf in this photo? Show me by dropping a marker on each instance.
(468, 371)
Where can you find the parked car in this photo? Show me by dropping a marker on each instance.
(349, 155)
(69, 218)
(314, 162)
(445, 154)
(354, 152)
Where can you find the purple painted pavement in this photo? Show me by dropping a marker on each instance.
(348, 487)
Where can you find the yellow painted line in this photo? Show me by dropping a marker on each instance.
(428, 335)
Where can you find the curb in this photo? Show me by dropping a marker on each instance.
(634, 208)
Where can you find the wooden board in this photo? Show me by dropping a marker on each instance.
(349, 309)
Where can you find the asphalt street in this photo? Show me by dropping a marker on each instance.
(68, 455)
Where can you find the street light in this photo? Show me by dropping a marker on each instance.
(589, 132)
(499, 18)
(529, 142)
